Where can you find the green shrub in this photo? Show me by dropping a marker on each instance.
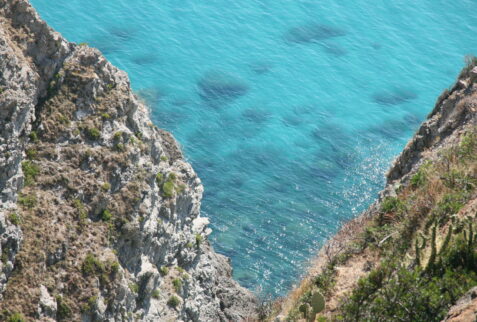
(30, 171)
(82, 213)
(27, 201)
(105, 116)
(63, 310)
(400, 293)
(449, 205)
(92, 265)
(391, 204)
(31, 153)
(177, 283)
(134, 287)
(106, 186)
(198, 239)
(374, 233)
(16, 317)
(93, 133)
(5, 255)
(159, 178)
(173, 301)
(168, 189)
(458, 180)
(164, 270)
(409, 296)
(326, 280)
(90, 304)
(33, 136)
(118, 135)
(14, 219)
(468, 146)
(106, 215)
(115, 267)
(78, 204)
(120, 147)
(164, 158)
(155, 294)
(418, 179)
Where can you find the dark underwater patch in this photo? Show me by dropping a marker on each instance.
(237, 180)
(204, 138)
(303, 109)
(106, 45)
(312, 32)
(111, 40)
(180, 101)
(376, 45)
(260, 68)
(257, 158)
(394, 96)
(147, 59)
(292, 120)
(217, 85)
(334, 50)
(335, 145)
(256, 115)
(122, 33)
(412, 119)
(248, 228)
(323, 174)
(395, 129)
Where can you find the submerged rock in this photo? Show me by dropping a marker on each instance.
(312, 32)
(218, 85)
(261, 68)
(394, 96)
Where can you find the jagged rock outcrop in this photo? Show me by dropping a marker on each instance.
(454, 109)
(99, 212)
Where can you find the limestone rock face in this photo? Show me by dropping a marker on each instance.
(99, 212)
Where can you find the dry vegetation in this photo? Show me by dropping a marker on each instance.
(67, 208)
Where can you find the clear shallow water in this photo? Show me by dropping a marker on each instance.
(289, 111)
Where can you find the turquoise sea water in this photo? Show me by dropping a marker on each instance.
(290, 111)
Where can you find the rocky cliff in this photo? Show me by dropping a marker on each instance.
(412, 255)
(99, 211)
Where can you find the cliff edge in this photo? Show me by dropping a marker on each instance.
(99, 211)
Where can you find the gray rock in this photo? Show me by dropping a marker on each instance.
(47, 306)
(56, 256)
